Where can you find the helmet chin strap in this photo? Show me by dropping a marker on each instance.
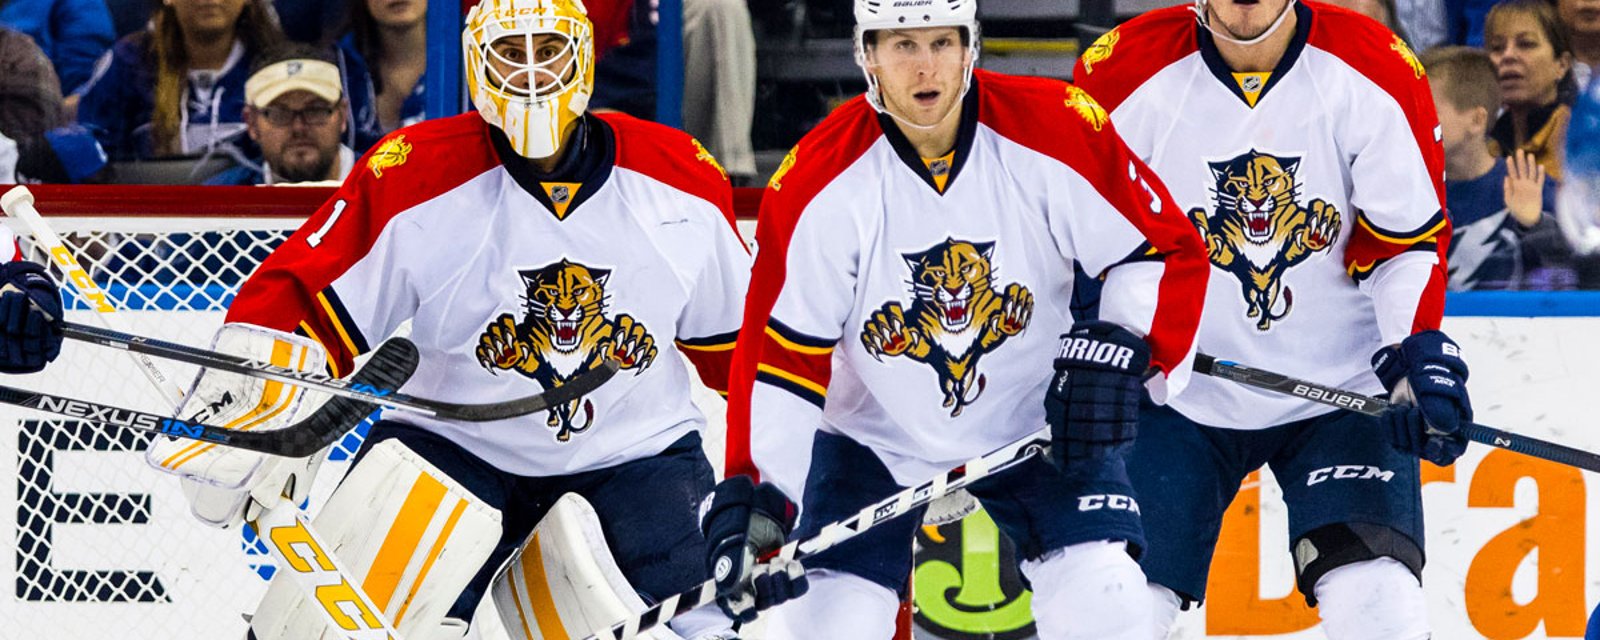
(1200, 16)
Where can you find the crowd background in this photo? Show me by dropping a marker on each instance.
(292, 91)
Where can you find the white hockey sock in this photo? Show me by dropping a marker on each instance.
(1090, 591)
(1165, 606)
(838, 606)
(1372, 600)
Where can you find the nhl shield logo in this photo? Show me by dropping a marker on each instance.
(1251, 84)
(560, 194)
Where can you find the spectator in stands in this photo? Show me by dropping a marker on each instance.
(1533, 60)
(719, 83)
(295, 110)
(72, 33)
(1505, 234)
(310, 21)
(35, 145)
(177, 88)
(384, 57)
(1381, 10)
(1423, 21)
(1582, 19)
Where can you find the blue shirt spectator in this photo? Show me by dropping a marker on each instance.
(361, 87)
(1490, 250)
(72, 33)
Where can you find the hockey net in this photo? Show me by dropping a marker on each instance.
(104, 544)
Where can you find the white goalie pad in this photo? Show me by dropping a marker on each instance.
(563, 583)
(218, 480)
(412, 536)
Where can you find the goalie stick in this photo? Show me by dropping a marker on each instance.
(884, 510)
(390, 366)
(1371, 406)
(572, 390)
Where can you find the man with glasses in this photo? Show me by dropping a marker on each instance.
(295, 111)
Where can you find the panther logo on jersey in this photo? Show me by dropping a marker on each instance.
(565, 332)
(1078, 100)
(1399, 46)
(392, 153)
(955, 317)
(1100, 51)
(1258, 231)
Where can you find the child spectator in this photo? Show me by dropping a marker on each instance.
(295, 110)
(1532, 57)
(178, 88)
(1505, 237)
(384, 58)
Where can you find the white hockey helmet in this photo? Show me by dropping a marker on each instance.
(873, 15)
(534, 99)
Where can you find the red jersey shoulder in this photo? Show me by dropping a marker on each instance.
(671, 156)
(421, 162)
(1368, 47)
(1020, 108)
(824, 153)
(1121, 59)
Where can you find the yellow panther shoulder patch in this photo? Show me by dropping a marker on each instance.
(392, 153)
(701, 154)
(1079, 100)
(1399, 46)
(1100, 51)
(776, 183)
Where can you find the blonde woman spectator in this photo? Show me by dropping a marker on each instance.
(1532, 56)
(384, 58)
(177, 88)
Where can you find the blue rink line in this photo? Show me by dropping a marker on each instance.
(1523, 304)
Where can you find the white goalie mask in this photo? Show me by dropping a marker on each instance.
(530, 69)
(874, 15)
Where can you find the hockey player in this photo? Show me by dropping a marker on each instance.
(525, 244)
(30, 312)
(1301, 140)
(909, 296)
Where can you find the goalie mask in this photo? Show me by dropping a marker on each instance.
(874, 15)
(530, 69)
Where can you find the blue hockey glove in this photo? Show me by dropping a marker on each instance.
(1092, 404)
(30, 334)
(742, 522)
(1427, 383)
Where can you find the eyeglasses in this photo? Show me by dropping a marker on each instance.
(313, 116)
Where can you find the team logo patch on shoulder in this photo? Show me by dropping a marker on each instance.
(954, 318)
(562, 333)
(1100, 51)
(1399, 46)
(1257, 229)
(392, 153)
(776, 183)
(701, 154)
(1079, 100)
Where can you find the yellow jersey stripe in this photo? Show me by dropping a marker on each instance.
(338, 327)
(796, 347)
(1424, 235)
(814, 387)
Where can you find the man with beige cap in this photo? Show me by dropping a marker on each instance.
(296, 112)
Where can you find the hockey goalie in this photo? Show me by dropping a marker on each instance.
(524, 245)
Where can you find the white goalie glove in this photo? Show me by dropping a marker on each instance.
(227, 486)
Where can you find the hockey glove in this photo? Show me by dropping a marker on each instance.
(30, 333)
(1427, 383)
(1092, 404)
(742, 522)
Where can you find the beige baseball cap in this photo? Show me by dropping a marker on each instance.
(319, 77)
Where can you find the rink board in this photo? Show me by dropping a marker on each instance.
(1508, 536)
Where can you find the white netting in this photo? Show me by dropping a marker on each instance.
(104, 545)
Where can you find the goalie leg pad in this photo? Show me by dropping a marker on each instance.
(220, 481)
(564, 582)
(412, 535)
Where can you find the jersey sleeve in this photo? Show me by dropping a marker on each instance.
(1110, 213)
(1397, 176)
(709, 326)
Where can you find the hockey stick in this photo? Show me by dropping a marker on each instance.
(390, 366)
(1368, 405)
(18, 203)
(575, 388)
(873, 515)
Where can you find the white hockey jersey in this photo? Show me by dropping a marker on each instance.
(915, 305)
(514, 286)
(1318, 188)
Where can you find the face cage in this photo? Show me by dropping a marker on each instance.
(481, 54)
(875, 97)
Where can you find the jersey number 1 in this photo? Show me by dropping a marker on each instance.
(316, 238)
